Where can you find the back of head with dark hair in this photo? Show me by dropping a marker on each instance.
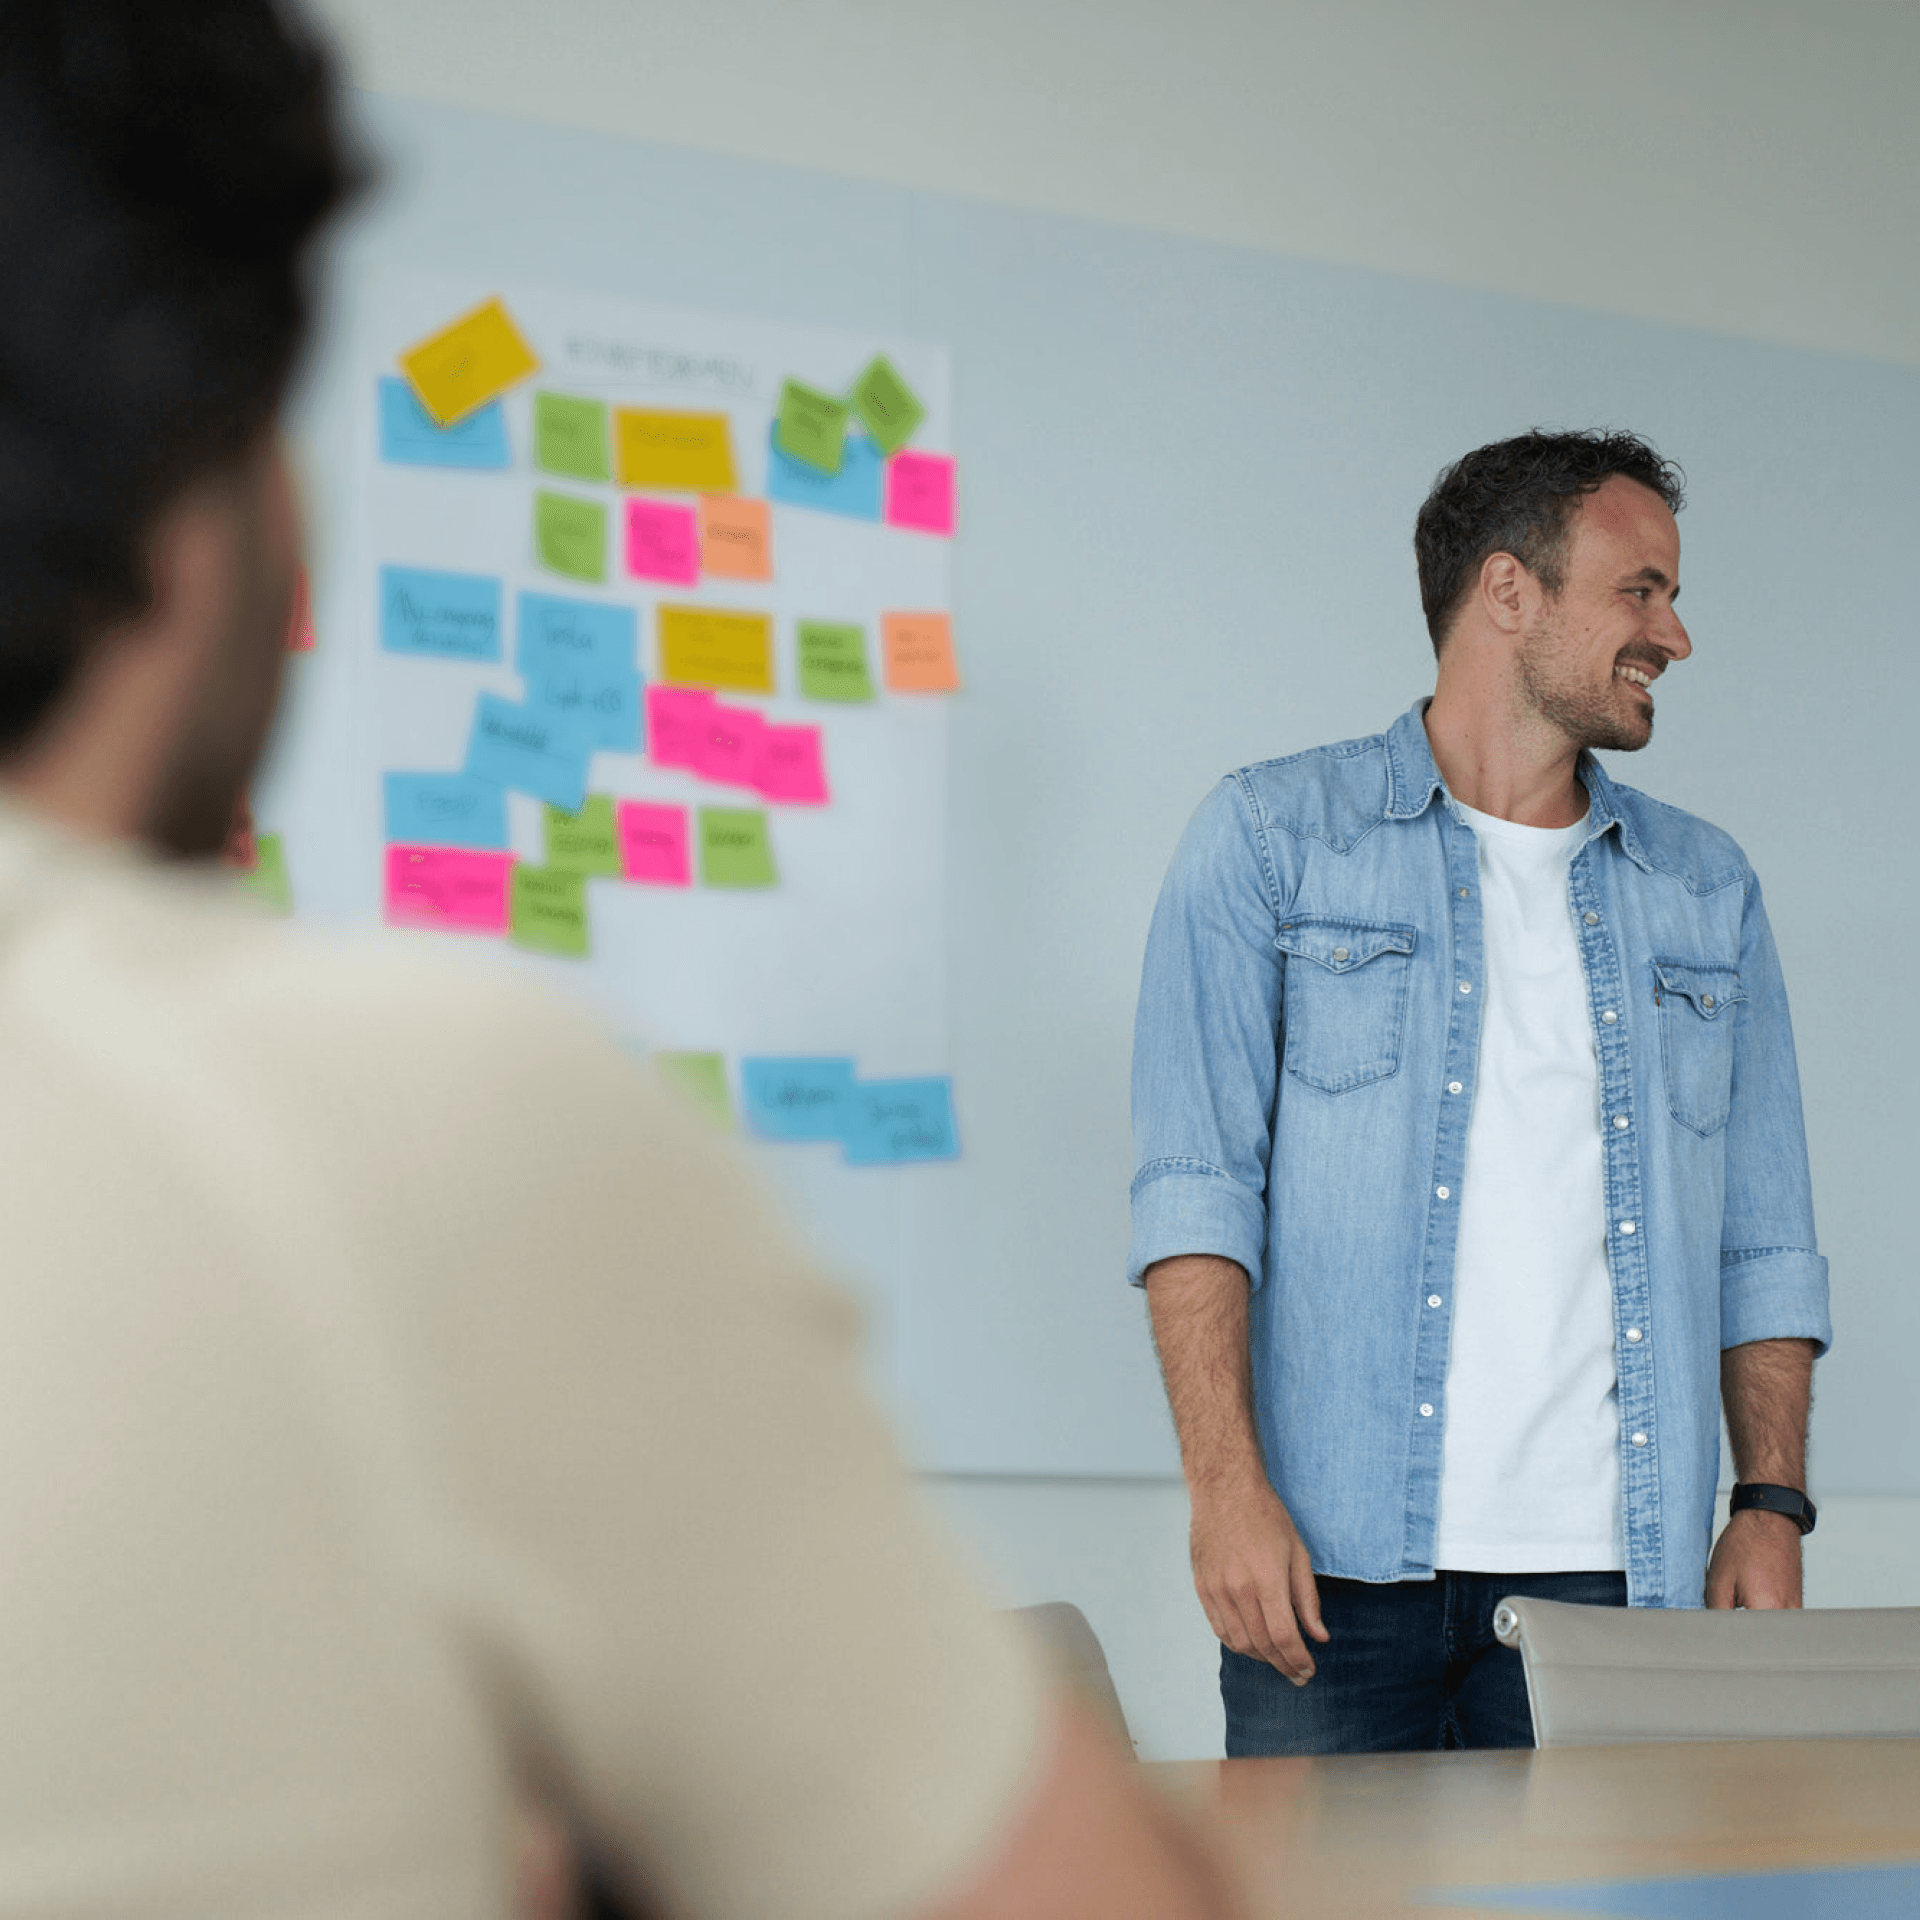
(164, 167)
(1517, 496)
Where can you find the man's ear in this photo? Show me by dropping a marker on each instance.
(1508, 592)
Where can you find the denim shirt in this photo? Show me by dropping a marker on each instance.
(1303, 1075)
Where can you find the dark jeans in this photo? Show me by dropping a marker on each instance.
(1412, 1665)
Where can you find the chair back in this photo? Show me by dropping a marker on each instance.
(1074, 1651)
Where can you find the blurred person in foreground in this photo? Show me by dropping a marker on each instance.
(403, 1408)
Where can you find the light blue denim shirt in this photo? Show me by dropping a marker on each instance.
(1303, 1075)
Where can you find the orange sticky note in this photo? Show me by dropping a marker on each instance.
(729, 652)
(917, 653)
(683, 452)
(736, 537)
(468, 363)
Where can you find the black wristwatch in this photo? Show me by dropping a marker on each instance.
(1769, 1499)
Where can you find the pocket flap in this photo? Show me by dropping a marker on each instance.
(1342, 945)
(1711, 989)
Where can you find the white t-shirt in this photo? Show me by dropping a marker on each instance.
(1530, 1468)
(399, 1393)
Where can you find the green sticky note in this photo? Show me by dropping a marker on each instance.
(570, 535)
(812, 426)
(570, 436)
(583, 842)
(833, 661)
(267, 878)
(889, 409)
(702, 1079)
(547, 912)
(734, 848)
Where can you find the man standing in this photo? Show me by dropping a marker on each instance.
(1470, 1167)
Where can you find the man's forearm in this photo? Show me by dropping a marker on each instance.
(1766, 1387)
(1198, 1304)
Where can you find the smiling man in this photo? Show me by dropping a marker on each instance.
(1471, 1174)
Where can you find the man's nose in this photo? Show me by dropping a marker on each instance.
(1672, 637)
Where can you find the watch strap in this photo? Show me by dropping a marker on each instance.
(1771, 1499)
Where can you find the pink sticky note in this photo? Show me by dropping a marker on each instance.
(663, 543)
(653, 844)
(920, 492)
(729, 745)
(676, 718)
(790, 766)
(448, 888)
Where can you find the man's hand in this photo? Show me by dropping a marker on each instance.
(1756, 1562)
(1254, 1579)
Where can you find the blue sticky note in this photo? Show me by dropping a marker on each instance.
(853, 491)
(796, 1099)
(889, 1122)
(556, 631)
(410, 436)
(453, 616)
(605, 700)
(535, 750)
(445, 810)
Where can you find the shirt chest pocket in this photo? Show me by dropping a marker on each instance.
(1697, 1020)
(1344, 1002)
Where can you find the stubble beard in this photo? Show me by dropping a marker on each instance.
(1607, 722)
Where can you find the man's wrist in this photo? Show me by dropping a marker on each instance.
(1776, 1501)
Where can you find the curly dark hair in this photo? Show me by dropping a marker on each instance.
(165, 166)
(1517, 496)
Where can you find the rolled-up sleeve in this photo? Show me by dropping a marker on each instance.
(1773, 1280)
(1205, 1045)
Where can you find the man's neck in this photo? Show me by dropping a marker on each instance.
(1527, 774)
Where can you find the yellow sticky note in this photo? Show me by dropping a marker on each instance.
(730, 652)
(465, 365)
(683, 452)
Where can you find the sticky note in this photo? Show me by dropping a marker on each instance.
(570, 437)
(663, 543)
(583, 842)
(411, 437)
(729, 652)
(736, 538)
(920, 492)
(300, 620)
(267, 878)
(916, 651)
(796, 1099)
(468, 362)
(570, 535)
(454, 616)
(675, 719)
(833, 661)
(604, 700)
(854, 491)
(445, 810)
(680, 452)
(889, 409)
(548, 912)
(727, 749)
(735, 850)
(447, 888)
(811, 427)
(555, 630)
(653, 844)
(790, 766)
(702, 1079)
(889, 1122)
(534, 750)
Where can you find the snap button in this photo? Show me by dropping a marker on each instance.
(1340, 953)
(1445, 1193)
(1626, 1226)
(1633, 1334)
(1608, 1018)
(1426, 1410)
(1453, 1086)
(1465, 892)
(1592, 919)
(1706, 1000)
(1621, 1121)
(1433, 1299)
(1639, 1439)
(1466, 986)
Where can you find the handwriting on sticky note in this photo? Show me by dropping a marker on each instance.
(570, 436)
(548, 912)
(445, 810)
(736, 538)
(663, 543)
(833, 661)
(583, 842)
(889, 409)
(796, 1099)
(654, 845)
(468, 362)
(454, 616)
(675, 719)
(604, 700)
(916, 650)
(680, 452)
(570, 535)
(729, 652)
(790, 766)
(534, 750)
(893, 1122)
(556, 630)
(448, 889)
(920, 492)
(411, 437)
(854, 491)
(811, 426)
(728, 749)
(735, 848)
(702, 1079)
